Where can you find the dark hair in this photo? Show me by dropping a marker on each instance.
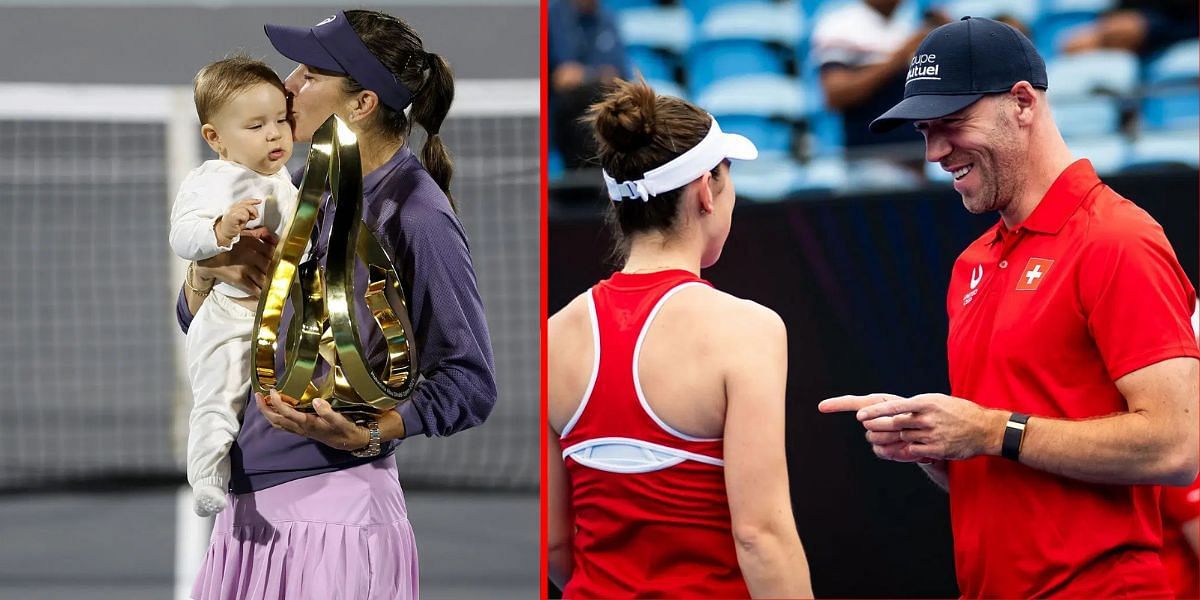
(217, 83)
(636, 131)
(425, 74)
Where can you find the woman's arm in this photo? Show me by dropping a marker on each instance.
(458, 389)
(559, 522)
(244, 267)
(195, 290)
(764, 530)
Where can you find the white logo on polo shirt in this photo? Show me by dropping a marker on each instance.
(329, 20)
(976, 277)
(923, 67)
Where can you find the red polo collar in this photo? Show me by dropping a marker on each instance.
(1060, 202)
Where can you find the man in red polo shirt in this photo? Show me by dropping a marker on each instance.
(1073, 368)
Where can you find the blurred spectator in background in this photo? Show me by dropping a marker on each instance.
(584, 52)
(1142, 26)
(863, 50)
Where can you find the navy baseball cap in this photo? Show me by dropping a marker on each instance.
(957, 64)
(332, 45)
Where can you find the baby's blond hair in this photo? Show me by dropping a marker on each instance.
(217, 83)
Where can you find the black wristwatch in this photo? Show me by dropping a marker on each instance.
(373, 446)
(1014, 434)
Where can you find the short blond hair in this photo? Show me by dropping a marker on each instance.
(217, 83)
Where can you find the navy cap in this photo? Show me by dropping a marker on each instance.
(957, 64)
(332, 45)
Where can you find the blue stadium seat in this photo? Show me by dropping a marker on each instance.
(781, 23)
(759, 95)
(814, 8)
(1051, 31)
(810, 76)
(1172, 108)
(617, 6)
(767, 179)
(700, 8)
(772, 135)
(1050, 7)
(1086, 116)
(825, 173)
(652, 63)
(1106, 71)
(1108, 153)
(1180, 62)
(555, 167)
(1026, 11)
(669, 28)
(666, 87)
(1155, 149)
(826, 135)
(879, 174)
(709, 61)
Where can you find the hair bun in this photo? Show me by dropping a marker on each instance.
(625, 120)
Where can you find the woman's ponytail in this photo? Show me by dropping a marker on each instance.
(425, 74)
(429, 110)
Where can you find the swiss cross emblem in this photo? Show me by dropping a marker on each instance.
(1035, 271)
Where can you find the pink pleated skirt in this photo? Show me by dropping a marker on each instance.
(339, 535)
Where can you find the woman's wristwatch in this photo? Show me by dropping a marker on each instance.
(373, 446)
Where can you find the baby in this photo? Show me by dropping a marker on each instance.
(243, 108)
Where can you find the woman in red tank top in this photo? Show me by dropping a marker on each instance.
(667, 475)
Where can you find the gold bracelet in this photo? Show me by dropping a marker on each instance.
(187, 280)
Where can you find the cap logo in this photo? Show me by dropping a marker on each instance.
(329, 20)
(923, 67)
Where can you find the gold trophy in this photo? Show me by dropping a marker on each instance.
(323, 321)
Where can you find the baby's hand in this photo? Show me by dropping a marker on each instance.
(231, 224)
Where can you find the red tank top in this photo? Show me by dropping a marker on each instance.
(651, 513)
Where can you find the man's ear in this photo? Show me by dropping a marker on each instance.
(1027, 101)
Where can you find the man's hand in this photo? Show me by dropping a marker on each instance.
(229, 225)
(924, 428)
(937, 426)
(885, 441)
(244, 267)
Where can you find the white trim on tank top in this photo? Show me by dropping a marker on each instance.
(637, 352)
(631, 455)
(587, 394)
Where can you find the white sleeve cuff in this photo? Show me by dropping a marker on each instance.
(217, 249)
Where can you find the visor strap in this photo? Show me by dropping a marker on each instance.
(675, 173)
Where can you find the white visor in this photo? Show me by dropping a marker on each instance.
(685, 168)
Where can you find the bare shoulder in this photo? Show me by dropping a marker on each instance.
(572, 317)
(568, 359)
(736, 315)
